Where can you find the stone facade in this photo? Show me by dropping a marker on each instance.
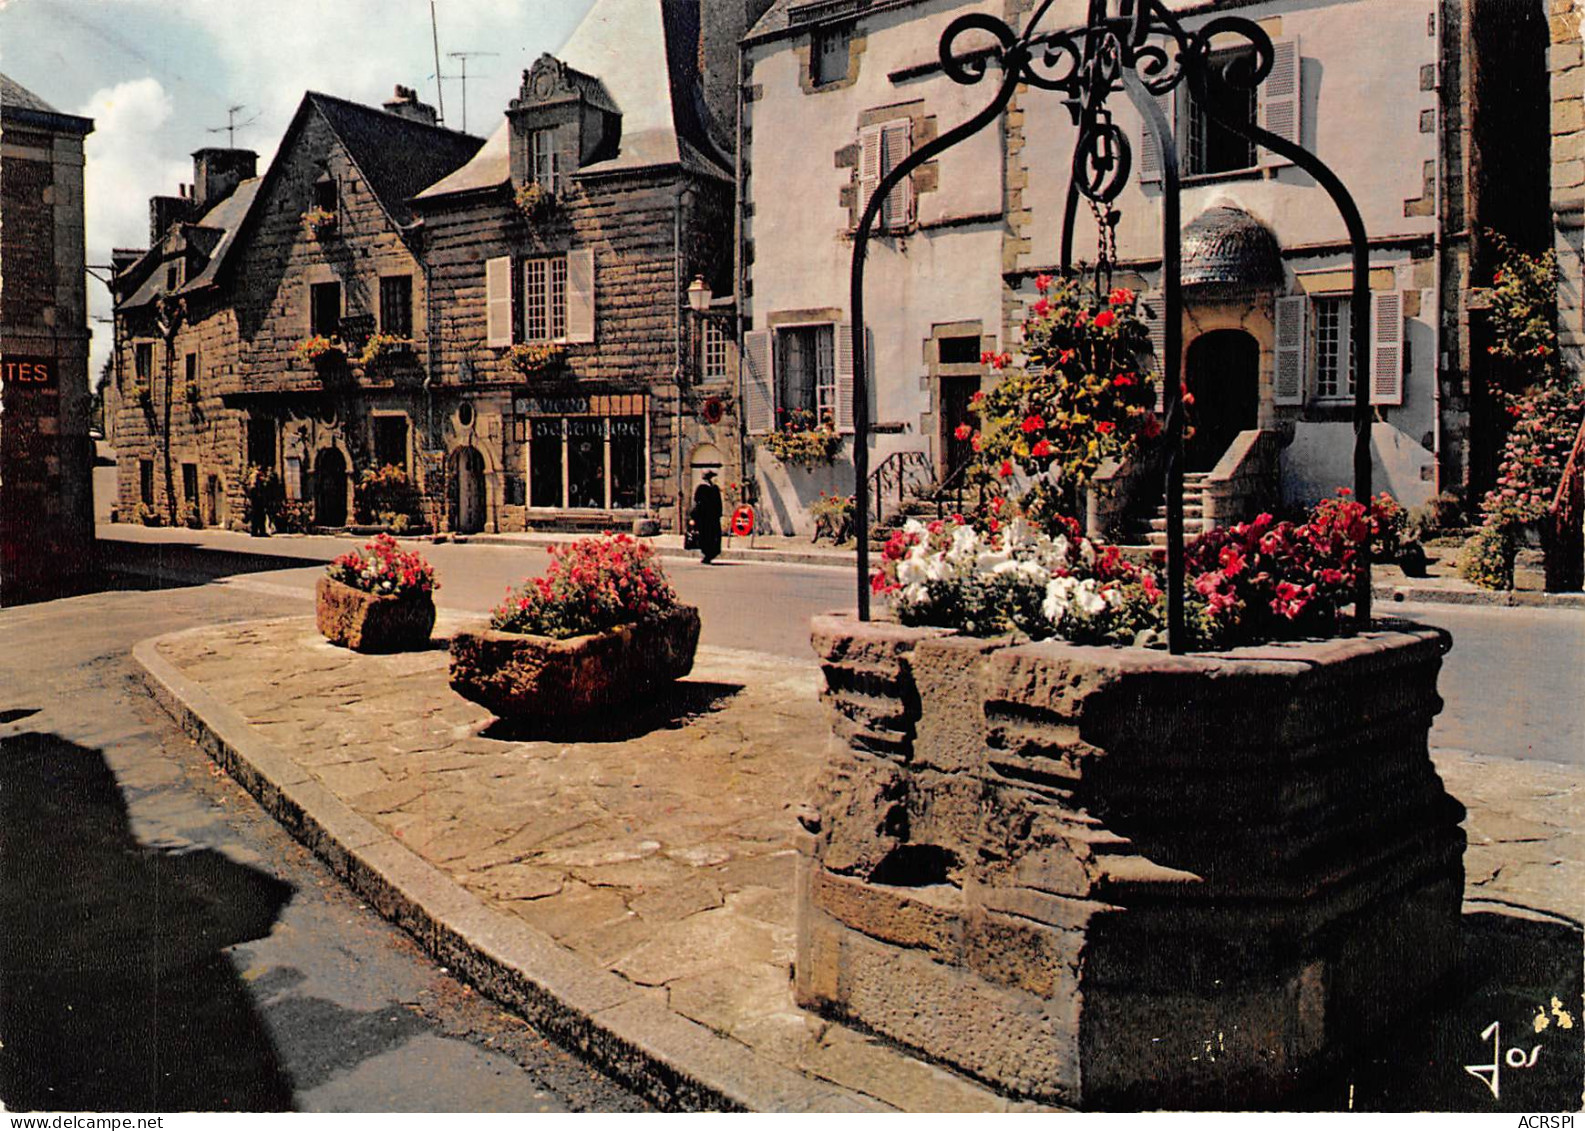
(46, 456)
(1113, 878)
(1568, 173)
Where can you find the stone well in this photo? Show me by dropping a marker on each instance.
(1114, 877)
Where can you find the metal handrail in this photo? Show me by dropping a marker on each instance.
(1566, 521)
(896, 471)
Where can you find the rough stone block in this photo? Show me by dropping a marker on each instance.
(365, 622)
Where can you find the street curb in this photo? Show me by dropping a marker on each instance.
(1508, 598)
(836, 559)
(676, 1063)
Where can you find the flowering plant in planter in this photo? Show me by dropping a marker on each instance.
(532, 359)
(384, 347)
(534, 201)
(833, 515)
(805, 440)
(319, 223)
(592, 585)
(386, 496)
(383, 568)
(1085, 395)
(317, 349)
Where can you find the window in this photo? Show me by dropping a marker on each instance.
(714, 367)
(143, 362)
(962, 350)
(146, 481)
(806, 373)
(190, 370)
(173, 276)
(396, 305)
(325, 194)
(828, 55)
(324, 309)
(190, 485)
(1333, 378)
(544, 159)
(1212, 147)
(390, 441)
(881, 149)
(545, 300)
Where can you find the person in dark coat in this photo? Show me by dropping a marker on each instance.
(706, 518)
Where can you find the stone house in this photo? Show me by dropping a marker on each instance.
(247, 278)
(46, 455)
(836, 94)
(585, 374)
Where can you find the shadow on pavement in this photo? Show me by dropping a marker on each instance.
(115, 993)
(667, 709)
(168, 565)
(1514, 1016)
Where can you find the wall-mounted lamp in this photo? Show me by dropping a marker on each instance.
(699, 295)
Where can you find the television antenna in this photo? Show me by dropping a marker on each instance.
(232, 125)
(464, 56)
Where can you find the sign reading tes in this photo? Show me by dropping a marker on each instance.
(27, 372)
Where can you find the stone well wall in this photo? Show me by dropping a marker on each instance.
(1115, 877)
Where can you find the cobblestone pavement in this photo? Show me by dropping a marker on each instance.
(661, 850)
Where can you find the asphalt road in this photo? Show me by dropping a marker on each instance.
(1512, 684)
(166, 946)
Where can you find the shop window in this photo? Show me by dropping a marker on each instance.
(594, 461)
(806, 372)
(324, 309)
(146, 481)
(1212, 147)
(390, 441)
(829, 55)
(396, 305)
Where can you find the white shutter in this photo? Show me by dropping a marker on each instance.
(869, 168)
(498, 301)
(580, 295)
(1288, 381)
(1150, 164)
(844, 360)
(1386, 347)
(1156, 322)
(759, 400)
(1281, 103)
(896, 144)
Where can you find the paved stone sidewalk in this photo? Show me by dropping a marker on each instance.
(659, 850)
(659, 853)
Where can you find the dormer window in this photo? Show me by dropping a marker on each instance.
(561, 121)
(544, 159)
(173, 276)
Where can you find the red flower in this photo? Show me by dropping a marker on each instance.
(1043, 283)
(1033, 423)
(1041, 308)
(962, 432)
(1041, 448)
(1104, 319)
(1080, 318)
(1120, 296)
(1152, 427)
(979, 395)
(1123, 380)
(1064, 357)
(1232, 559)
(1105, 427)
(1006, 470)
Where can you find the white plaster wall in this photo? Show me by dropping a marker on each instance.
(1321, 459)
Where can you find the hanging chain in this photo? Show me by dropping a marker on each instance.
(1106, 243)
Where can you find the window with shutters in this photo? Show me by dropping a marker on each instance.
(882, 147)
(545, 299)
(1208, 146)
(806, 373)
(1334, 368)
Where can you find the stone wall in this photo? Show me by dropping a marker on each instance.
(1112, 877)
(1568, 174)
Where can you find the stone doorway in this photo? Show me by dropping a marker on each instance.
(330, 489)
(467, 491)
(956, 392)
(1223, 376)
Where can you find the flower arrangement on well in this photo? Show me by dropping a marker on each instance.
(317, 349)
(592, 585)
(1255, 581)
(383, 347)
(534, 358)
(1084, 396)
(383, 568)
(804, 439)
(319, 223)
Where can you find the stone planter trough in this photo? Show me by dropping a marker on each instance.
(1112, 877)
(520, 676)
(365, 622)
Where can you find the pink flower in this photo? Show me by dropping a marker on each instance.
(1120, 296)
(1041, 308)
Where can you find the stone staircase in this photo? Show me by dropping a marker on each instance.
(1149, 532)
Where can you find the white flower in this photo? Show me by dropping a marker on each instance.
(911, 570)
(1089, 601)
(914, 526)
(1087, 551)
(1114, 597)
(964, 540)
(992, 561)
(1061, 548)
(1056, 602)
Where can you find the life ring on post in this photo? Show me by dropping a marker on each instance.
(743, 521)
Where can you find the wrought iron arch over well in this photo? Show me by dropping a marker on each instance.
(1139, 48)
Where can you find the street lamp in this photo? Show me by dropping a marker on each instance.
(699, 295)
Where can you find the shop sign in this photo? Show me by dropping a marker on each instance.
(28, 373)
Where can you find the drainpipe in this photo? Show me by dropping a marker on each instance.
(737, 280)
(676, 365)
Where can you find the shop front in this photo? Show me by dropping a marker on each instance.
(584, 452)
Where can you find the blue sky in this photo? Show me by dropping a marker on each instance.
(158, 75)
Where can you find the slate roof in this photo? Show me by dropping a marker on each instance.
(20, 105)
(224, 218)
(633, 50)
(1224, 245)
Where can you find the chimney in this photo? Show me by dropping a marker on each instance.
(405, 104)
(217, 172)
(165, 211)
(123, 257)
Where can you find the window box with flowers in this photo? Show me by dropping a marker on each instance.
(1018, 761)
(385, 350)
(537, 359)
(535, 201)
(804, 440)
(320, 223)
(321, 352)
(378, 599)
(600, 627)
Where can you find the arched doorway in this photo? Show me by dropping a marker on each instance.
(330, 489)
(1223, 376)
(466, 491)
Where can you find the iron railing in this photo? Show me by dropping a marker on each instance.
(898, 474)
(1565, 525)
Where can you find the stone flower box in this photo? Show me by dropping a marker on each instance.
(1112, 877)
(366, 622)
(516, 675)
